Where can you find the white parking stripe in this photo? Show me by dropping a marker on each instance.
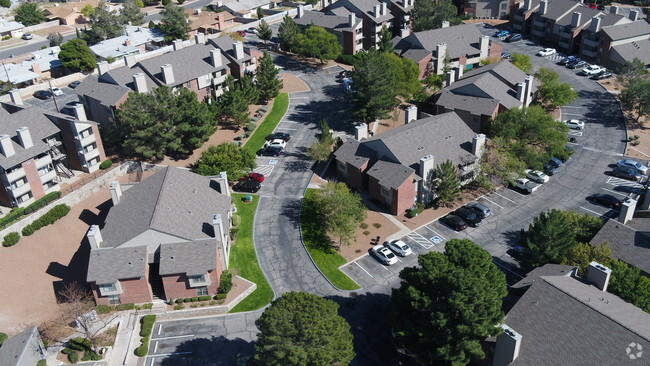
(156, 347)
(575, 133)
(171, 354)
(435, 232)
(504, 197)
(363, 269)
(618, 193)
(286, 128)
(159, 328)
(494, 203)
(592, 211)
(174, 337)
(517, 193)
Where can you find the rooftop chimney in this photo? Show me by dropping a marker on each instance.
(102, 67)
(24, 137)
(598, 275)
(215, 57)
(594, 27)
(484, 46)
(177, 44)
(458, 72)
(129, 60)
(527, 4)
(634, 15)
(377, 10)
(613, 9)
(450, 77)
(167, 73)
(301, 11)
(575, 19)
(6, 146)
(478, 144)
(36, 68)
(521, 93)
(79, 112)
(94, 236)
(543, 7)
(352, 19)
(627, 210)
(140, 83)
(410, 114)
(529, 89)
(426, 169)
(384, 9)
(441, 52)
(15, 96)
(238, 50)
(199, 38)
(507, 346)
(116, 192)
(127, 42)
(361, 132)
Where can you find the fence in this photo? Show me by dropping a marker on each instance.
(32, 28)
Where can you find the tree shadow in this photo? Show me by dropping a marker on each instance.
(291, 210)
(216, 351)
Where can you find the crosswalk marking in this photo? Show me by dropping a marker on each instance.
(555, 57)
(419, 239)
(615, 181)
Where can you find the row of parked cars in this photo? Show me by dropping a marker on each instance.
(505, 35)
(275, 144)
(471, 214)
(626, 169)
(594, 71)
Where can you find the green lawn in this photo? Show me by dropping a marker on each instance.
(244, 260)
(320, 249)
(267, 126)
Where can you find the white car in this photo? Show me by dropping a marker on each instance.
(536, 176)
(574, 124)
(546, 52)
(633, 164)
(592, 70)
(277, 142)
(399, 247)
(57, 91)
(526, 185)
(384, 255)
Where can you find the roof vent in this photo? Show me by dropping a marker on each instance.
(172, 258)
(130, 263)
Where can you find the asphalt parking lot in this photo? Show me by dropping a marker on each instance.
(68, 98)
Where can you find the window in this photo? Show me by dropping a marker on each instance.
(108, 287)
(199, 278)
(49, 184)
(114, 299)
(93, 161)
(44, 170)
(188, 85)
(85, 133)
(25, 197)
(201, 291)
(504, 6)
(18, 183)
(90, 147)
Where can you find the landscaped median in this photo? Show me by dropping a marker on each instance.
(320, 249)
(268, 125)
(243, 259)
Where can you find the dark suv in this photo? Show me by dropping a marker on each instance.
(468, 216)
(248, 185)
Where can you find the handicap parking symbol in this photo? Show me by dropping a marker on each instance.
(436, 239)
(273, 162)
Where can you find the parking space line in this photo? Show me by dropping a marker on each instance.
(155, 347)
(592, 211)
(575, 133)
(494, 203)
(517, 193)
(173, 337)
(435, 232)
(504, 197)
(286, 128)
(619, 193)
(159, 328)
(171, 354)
(363, 269)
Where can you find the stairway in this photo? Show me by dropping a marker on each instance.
(63, 171)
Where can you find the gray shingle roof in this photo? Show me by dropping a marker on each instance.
(545, 270)
(627, 30)
(109, 265)
(585, 18)
(460, 39)
(566, 322)
(630, 243)
(474, 105)
(327, 21)
(632, 50)
(612, 19)
(354, 153)
(173, 201)
(106, 93)
(187, 63)
(193, 258)
(504, 69)
(40, 127)
(416, 55)
(390, 174)
(225, 44)
(21, 349)
(124, 76)
(361, 7)
(557, 8)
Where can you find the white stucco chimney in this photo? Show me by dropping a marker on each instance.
(507, 346)
(167, 73)
(458, 72)
(177, 44)
(527, 4)
(238, 50)
(361, 132)
(410, 114)
(301, 11)
(450, 77)
(575, 19)
(14, 94)
(376, 10)
(199, 38)
(6, 146)
(352, 19)
(598, 275)
(613, 10)
(441, 52)
(102, 67)
(215, 57)
(529, 89)
(94, 237)
(140, 83)
(129, 60)
(116, 192)
(222, 179)
(384, 9)
(521, 93)
(478, 144)
(24, 137)
(79, 112)
(484, 46)
(426, 169)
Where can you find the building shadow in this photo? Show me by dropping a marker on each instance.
(215, 351)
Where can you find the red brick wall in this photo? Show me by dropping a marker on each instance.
(178, 286)
(201, 94)
(406, 195)
(463, 60)
(135, 291)
(495, 50)
(100, 144)
(426, 67)
(33, 178)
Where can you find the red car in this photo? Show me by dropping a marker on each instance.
(258, 177)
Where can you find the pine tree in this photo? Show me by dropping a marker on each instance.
(266, 79)
(131, 13)
(446, 183)
(287, 32)
(318, 43)
(385, 40)
(174, 23)
(264, 32)
(233, 104)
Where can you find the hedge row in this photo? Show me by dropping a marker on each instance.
(73, 356)
(143, 350)
(147, 325)
(80, 344)
(194, 299)
(18, 212)
(105, 309)
(49, 218)
(106, 164)
(10, 239)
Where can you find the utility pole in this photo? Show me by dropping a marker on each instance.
(56, 104)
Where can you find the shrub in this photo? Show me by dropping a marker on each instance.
(376, 225)
(349, 59)
(3, 337)
(233, 233)
(194, 306)
(225, 282)
(12, 216)
(148, 306)
(106, 164)
(195, 299)
(250, 127)
(121, 307)
(205, 298)
(49, 218)
(91, 356)
(179, 306)
(213, 302)
(143, 350)
(79, 344)
(236, 220)
(221, 296)
(416, 211)
(187, 299)
(10, 239)
(363, 225)
(179, 301)
(73, 356)
(147, 325)
(366, 232)
(104, 309)
(248, 134)
(41, 363)
(636, 137)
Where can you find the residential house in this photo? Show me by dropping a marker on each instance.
(614, 45)
(487, 9)
(629, 243)
(24, 349)
(166, 237)
(33, 66)
(247, 8)
(375, 14)
(135, 41)
(200, 68)
(481, 94)
(396, 167)
(242, 60)
(38, 146)
(10, 29)
(209, 22)
(448, 47)
(564, 320)
(348, 30)
(69, 13)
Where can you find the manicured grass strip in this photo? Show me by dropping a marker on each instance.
(317, 243)
(243, 258)
(280, 106)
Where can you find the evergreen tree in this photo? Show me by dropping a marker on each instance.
(550, 238)
(449, 304)
(303, 329)
(104, 24)
(552, 92)
(131, 13)
(385, 40)
(264, 32)
(236, 161)
(374, 87)
(287, 33)
(76, 56)
(582, 254)
(174, 23)
(429, 14)
(55, 39)
(266, 79)
(446, 183)
(5, 4)
(249, 89)
(259, 12)
(29, 14)
(233, 104)
(321, 149)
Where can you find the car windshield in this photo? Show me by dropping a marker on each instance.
(389, 254)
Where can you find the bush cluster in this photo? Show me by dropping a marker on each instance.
(79, 344)
(143, 350)
(147, 325)
(250, 127)
(91, 356)
(236, 220)
(106, 164)
(105, 309)
(363, 225)
(225, 282)
(48, 219)
(73, 356)
(41, 363)
(221, 296)
(18, 212)
(10, 239)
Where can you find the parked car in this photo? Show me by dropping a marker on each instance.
(546, 52)
(74, 84)
(27, 36)
(565, 61)
(592, 70)
(578, 65)
(277, 142)
(573, 140)
(606, 200)
(270, 151)
(278, 135)
(481, 210)
(258, 177)
(42, 94)
(68, 110)
(251, 30)
(399, 247)
(454, 222)
(247, 185)
(626, 173)
(503, 33)
(575, 124)
(383, 254)
(555, 162)
(526, 185)
(505, 55)
(550, 169)
(468, 216)
(602, 75)
(536, 176)
(57, 91)
(633, 164)
(514, 38)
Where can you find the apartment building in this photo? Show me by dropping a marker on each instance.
(166, 237)
(487, 9)
(37, 147)
(348, 30)
(612, 45)
(242, 60)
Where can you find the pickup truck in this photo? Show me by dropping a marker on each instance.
(592, 70)
(526, 185)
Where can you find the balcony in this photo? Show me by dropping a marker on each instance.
(563, 45)
(219, 79)
(538, 33)
(89, 155)
(518, 18)
(85, 141)
(590, 42)
(48, 176)
(251, 68)
(45, 160)
(588, 53)
(16, 174)
(21, 190)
